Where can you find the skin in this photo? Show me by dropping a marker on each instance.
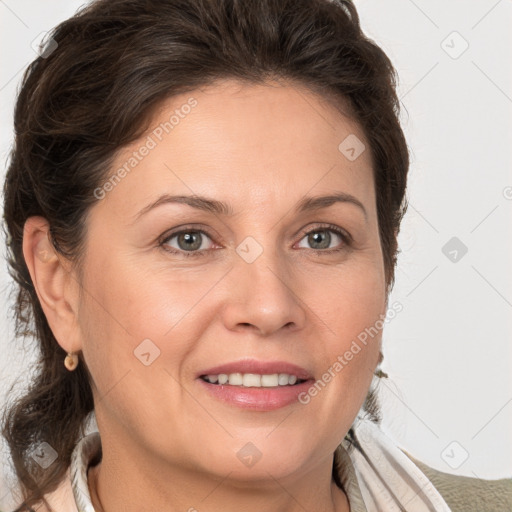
(260, 148)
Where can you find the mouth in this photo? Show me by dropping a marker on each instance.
(255, 385)
(253, 380)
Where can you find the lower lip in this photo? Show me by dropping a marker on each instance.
(258, 399)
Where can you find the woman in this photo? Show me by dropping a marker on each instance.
(202, 209)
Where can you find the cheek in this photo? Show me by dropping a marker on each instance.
(353, 302)
(129, 312)
(137, 334)
(353, 313)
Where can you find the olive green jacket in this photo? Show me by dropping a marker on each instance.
(462, 494)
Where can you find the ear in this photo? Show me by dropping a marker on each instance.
(54, 282)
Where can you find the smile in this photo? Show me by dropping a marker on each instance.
(253, 380)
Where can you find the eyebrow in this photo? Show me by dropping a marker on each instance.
(206, 204)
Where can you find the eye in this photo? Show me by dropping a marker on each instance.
(320, 238)
(189, 242)
(194, 242)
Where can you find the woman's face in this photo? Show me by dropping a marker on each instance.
(261, 281)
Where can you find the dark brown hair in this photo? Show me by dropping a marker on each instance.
(93, 91)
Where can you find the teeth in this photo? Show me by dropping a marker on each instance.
(253, 380)
(236, 379)
(270, 381)
(282, 380)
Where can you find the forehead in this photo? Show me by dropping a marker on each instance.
(243, 142)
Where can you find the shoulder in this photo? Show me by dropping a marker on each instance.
(463, 493)
(59, 500)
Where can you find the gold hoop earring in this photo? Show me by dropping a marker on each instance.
(71, 361)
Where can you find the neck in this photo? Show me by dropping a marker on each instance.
(141, 490)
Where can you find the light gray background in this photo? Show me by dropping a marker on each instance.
(448, 399)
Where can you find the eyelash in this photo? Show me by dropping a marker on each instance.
(347, 240)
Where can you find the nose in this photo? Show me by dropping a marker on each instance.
(263, 296)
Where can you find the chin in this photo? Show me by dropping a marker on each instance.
(259, 460)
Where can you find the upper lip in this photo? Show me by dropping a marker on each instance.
(259, 367)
